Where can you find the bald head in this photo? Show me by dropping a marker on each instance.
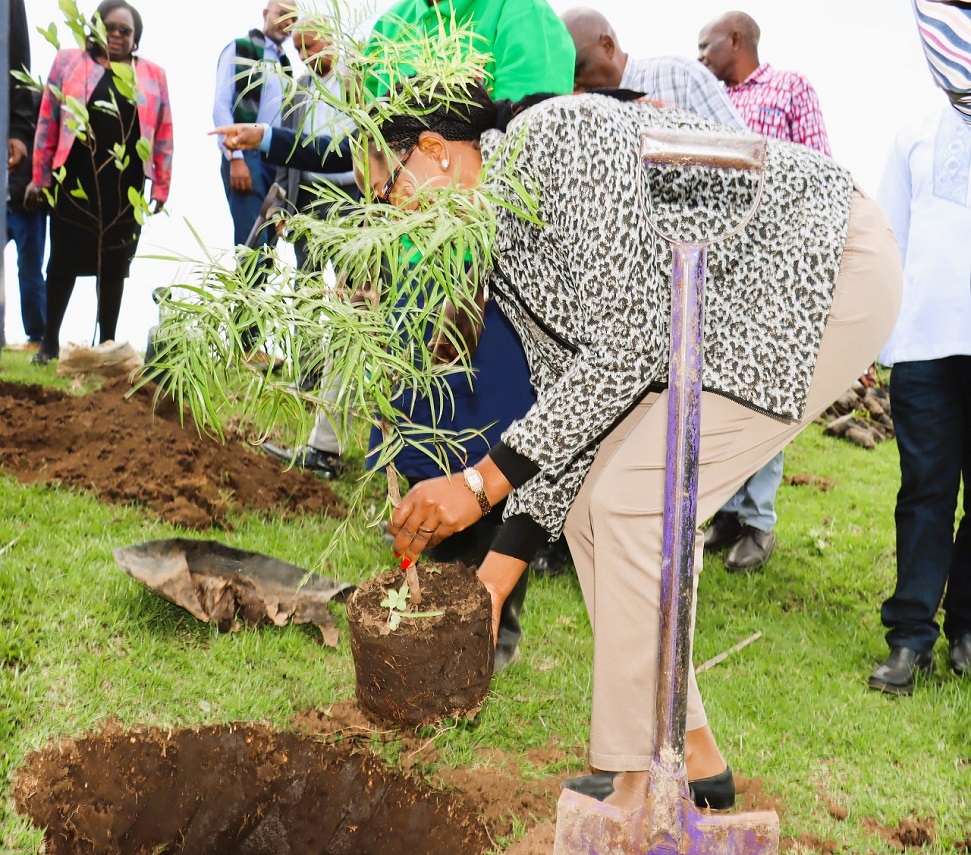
(277, 18)
(600, 61)
(729, 46)
(313, 39)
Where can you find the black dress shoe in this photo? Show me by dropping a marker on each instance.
(41, 358)
(308, 458)
(722, 532)
(751, 550)
(714, 793)
(897, 674)
(551, 559)
(961, 655)
(598, 786)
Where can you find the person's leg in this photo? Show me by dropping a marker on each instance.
(29, 231)
(109, 306)
(957, 600)
(60, 285)
(244, 207)
(615, 527)
(758, 508)
(757, 517)
(928, 419)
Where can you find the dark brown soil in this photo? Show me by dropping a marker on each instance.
(117, 448)
(913, 833)
(239, 790)
(491, 783)
(428, 668)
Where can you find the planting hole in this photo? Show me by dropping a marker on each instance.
(241, 789)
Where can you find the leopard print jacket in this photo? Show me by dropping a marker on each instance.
(589, 290)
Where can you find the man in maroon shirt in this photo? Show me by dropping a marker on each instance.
(782, 105)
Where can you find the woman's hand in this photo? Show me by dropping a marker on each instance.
(33, 197)
(439, 507)
(432, 511)
(240, 137)
(499, 574)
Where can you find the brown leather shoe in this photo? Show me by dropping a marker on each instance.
(722, 532)
(751, 550)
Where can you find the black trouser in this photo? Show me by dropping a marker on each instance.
(932, 416)
(60, 286)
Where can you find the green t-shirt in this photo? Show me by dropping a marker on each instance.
(531, 48)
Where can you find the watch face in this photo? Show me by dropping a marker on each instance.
(474, 478)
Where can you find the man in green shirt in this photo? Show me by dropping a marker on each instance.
(531, 50)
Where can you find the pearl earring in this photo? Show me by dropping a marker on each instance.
(445, 163)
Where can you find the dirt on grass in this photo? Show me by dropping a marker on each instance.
(241, 789)
(318, 789)
(118, 448)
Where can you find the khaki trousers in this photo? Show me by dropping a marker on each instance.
(615, 525)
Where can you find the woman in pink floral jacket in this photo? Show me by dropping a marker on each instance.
(93, 166)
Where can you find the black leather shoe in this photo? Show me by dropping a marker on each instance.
(722, 532)
(897, 674)
(714, 793)
(751, 550)
(961, 655)
(597, 786)
(551, 559)
(308, 458)
(41, 358)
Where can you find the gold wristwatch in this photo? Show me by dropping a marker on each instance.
(473, 480)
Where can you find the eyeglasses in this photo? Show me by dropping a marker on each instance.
(385, 195)
(121, 29)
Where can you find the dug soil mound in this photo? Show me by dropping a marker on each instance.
(117, 447)
(236, 790)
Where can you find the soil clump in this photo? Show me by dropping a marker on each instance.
(421, 669)
(118, 448)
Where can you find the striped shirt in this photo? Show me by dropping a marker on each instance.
(679, 82)
(782, 105)
(945, 30)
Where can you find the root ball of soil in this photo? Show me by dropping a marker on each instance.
(428, 668)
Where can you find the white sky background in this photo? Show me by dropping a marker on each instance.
(863, 57)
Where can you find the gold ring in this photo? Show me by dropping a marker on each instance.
(426, 530)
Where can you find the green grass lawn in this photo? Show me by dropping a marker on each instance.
(81, 644)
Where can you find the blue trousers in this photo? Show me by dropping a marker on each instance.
(245, 207)
(932, 417)
(28, 231)
(754, 503)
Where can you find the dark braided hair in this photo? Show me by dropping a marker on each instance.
(467, 117)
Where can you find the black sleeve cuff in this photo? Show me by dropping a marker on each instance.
(519, 537)
(516, 467)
